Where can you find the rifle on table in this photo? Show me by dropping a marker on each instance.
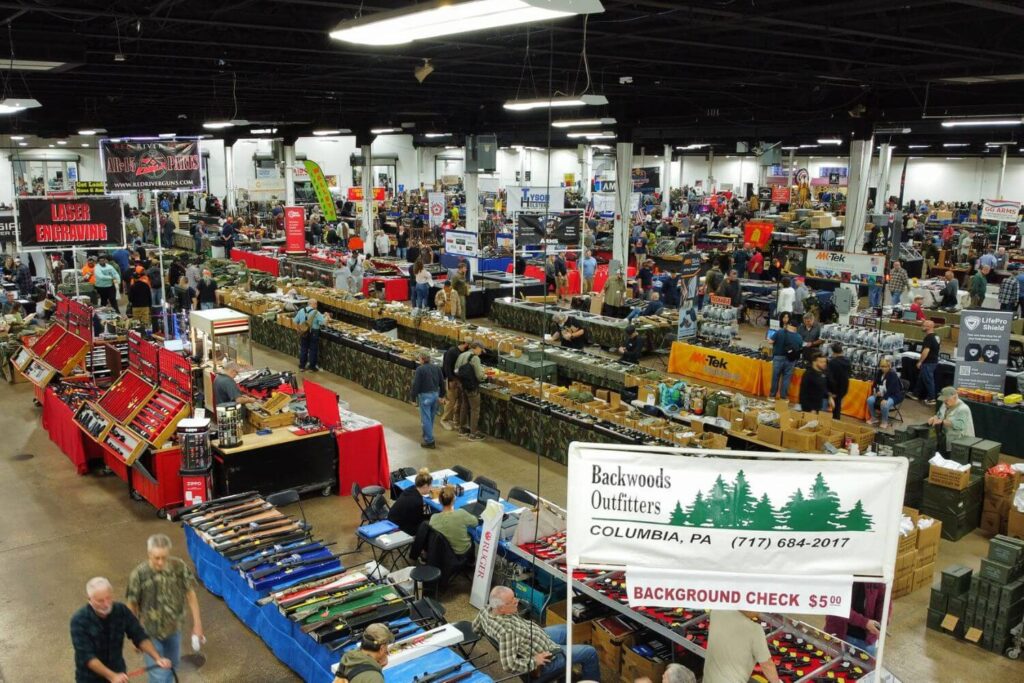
(441, 676)
(309, 605)
(250, 528)
(284, 566)
(349, 620)
(216, 513)
(403, 631)
(244, 548)
(234, 516)
(193, 510)
(258, 535)
(305, 589)
(272, 554)
(311, 612)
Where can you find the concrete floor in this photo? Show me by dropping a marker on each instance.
(58, 529)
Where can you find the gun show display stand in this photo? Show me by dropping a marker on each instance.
(276, 461)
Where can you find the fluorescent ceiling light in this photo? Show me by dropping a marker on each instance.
(588, 133)
(583, 122)
(263, 131)
(829, 141)
(808, 146)
(973, 80)
(17, 137)
(51, 146)
(23, 144)
(385, 131)
(92, 131)
(918, 146)
(167, 136)
(963, 123)
(695, 145)
(791, 147)
(62, 142)
(544, 103)
(323, 132)
(954, 158)
(444, 18)
(956, 144)
(892, 131)
(217, 125)
(1000, 144)
(13, 105)
(85, 144)
(30, 65)
(437, 135)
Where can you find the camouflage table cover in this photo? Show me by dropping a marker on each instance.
(533, 318)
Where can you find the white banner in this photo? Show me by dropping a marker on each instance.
(1003, 210)
(490, 534)
(752, 592)
(711, 511)
(604, 204)
(840, 265)
(535, 199)
(437, 208)
(461, 242)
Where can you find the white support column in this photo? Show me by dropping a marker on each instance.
(623, 215)
(367, 230)
(791, 171)
(289, 175)
(585, 155)
(471, 184)
(229, 177)
(1002, 176)
(857, 193)
(666, 182)
(682, 179)
(884, 165)
(419, 169)
(711, 172)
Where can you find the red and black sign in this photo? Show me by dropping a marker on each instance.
(46, 223)
(163, 165)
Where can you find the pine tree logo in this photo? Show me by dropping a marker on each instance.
(735, 506)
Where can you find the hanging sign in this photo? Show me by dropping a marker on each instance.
(569, 179)
(437, 206)
(843, 266)
(757, 233)
(565, 230)
(487, 549)
(8, 230)
(535, 199)
(709, 511)
(646, 180)
(295, 229)
(149, 165)
(1000, 210)
(530, 230)
(64, 223)
(982, 349)
(85, 188)
(323, 193)
(355, 194)
(460, 242)
(647, 587)
(780, 195)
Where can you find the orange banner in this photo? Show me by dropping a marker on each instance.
(717, 367)
(855, 403)
(758, 233)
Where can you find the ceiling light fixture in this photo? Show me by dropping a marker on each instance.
(23, 144)
(263, 131)
(167, 136)
(62, 142)
(790, 147)
(918, 146)
(85, 144)
(829, 141)
(443, 18)
(92, 131)
(30, 65)
(588, 134)
(550, 102)
(323, 132)
(385, 131)
(808, 146)
(956, 144)
(695, 145)
(13, 105)
(892, 131)
(1007, 143)
(963, 123)
(218, 125)
(17, 137)
(437, 135)
(423, 70)
(954, 158)
(583, 122)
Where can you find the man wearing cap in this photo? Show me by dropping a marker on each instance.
(955, 417)
(634, 347)
(365, 664)
(918, 308)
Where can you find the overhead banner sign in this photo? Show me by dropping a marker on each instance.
(150, 165)
(982, 349)
(90, 188)
(646, 180)
(323, 192)
(708, 512)
(751, 592)
(780, 195)
(295, 230)
(522, 198)
(757, 233)
(437, 208)
(565, 229)
(461, 242)
(842, 266)
(8, 232)
(1000, 210)
(48, 223)
(530, 230)
(355, 194)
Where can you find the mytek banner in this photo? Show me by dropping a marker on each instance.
(8, 232)
(294, 229)
(720, 367)
(150, 165)
(708, 511)
(323, 193)
(487, 549)
(47, 223)
(437, 208)
(982, 349)
(751, 592)
(1000, 210)
(839, 265)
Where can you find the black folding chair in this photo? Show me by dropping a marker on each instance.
(463, 473)
(486, 481)
(400, 475)
(522, 495)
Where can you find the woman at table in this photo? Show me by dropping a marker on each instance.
(453, 524)
(408, 511)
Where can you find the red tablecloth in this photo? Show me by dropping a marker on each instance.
(255, 261)
(395, 288)
(59, 424)
(362, 458)
(575, 283)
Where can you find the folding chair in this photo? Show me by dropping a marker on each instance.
(463, 473)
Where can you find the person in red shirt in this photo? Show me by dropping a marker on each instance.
(755, 266)
(918, 309)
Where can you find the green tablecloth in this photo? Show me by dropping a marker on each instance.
(999, 423)
(609, 333)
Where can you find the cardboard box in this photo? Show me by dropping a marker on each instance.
(636, 666)
(555, 616)
(1001, 487)
(908, 542)
(1015, 523)
(923, 576)
(992, 523)
(926, 555)
(609, 636)
(902, 585)
(950, 479)
(905, 562)
(769, 435)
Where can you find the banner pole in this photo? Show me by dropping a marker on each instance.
(160, 256)
(74, 264)
(515, 238)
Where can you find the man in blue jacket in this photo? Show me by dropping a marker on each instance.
(886, 393)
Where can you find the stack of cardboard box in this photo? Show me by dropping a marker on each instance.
(954, 498)
(995, 510)
(915, 559)
(982, 608)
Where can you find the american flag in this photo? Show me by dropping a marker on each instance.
(640, 215)
(589, 212)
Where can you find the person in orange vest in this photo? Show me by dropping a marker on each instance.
(89, 270)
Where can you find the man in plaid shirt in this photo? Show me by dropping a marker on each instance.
(897, 282)
(525, 647)
(1009, 294)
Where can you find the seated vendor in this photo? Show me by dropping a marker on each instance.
(569, 332)
(653, 307)
(918, 308)
(225, 389)
(634, 347)
(453, 524)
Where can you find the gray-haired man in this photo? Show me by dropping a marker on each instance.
(428, 392)
(158, 591)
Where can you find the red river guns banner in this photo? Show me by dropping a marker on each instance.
(87, 222)
(150, 165)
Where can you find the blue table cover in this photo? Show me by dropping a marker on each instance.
(307, 658)
(461, 501)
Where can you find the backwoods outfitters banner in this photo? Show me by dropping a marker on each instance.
(763, 516)
(151, 165)
(46, 223)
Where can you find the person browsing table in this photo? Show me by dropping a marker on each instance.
(309, 321)
(428, 393)
(954, 416)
